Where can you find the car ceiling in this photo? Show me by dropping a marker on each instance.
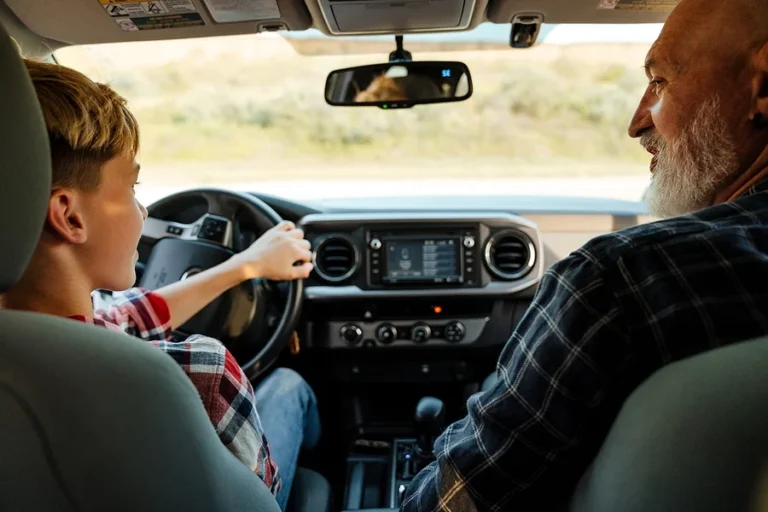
(55, 23)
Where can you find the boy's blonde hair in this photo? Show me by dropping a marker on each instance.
(88, 124)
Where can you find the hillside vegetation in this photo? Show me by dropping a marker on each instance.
(244, 104)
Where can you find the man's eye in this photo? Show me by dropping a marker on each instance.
(657, 83)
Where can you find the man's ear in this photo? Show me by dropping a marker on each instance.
(760, 87)
(65, 217)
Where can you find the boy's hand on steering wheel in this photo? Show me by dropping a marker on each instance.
(275, 254)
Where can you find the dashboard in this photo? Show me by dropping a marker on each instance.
(435, 274)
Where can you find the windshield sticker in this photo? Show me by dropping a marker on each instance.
(132, 16)
(639, 5)
(232, 11)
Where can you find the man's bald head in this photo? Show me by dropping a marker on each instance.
(708, 81)
(732, 25)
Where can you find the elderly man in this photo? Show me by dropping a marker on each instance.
(613, 312)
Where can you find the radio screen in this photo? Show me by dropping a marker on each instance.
(423, 259)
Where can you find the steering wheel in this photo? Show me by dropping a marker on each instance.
(249, 319)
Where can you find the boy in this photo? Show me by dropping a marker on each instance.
(89, 242)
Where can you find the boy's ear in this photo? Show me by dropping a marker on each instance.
(65, 217)
(760, 86)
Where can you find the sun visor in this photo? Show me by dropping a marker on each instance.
(104, 21)
(583, 11)
(235, 11)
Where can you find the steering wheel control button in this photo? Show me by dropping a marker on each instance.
(174, 230)
(469, 242)
(351, 334)
(420, 333)
(375, 244)
(213, 229)
(455, 332)
(386, 334)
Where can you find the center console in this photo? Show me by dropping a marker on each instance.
(448, 267)
(381, 481)
(407, 305)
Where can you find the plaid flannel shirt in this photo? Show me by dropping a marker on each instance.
(226, 393)
(602, 320)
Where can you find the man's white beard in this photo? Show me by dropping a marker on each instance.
(693, 168)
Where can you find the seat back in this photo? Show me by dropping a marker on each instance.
(694, 436)
(91, 420)
(94, 421)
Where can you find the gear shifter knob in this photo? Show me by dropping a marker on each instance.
(430, 416)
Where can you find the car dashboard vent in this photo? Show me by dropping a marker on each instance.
(336, 258)
(510, 255)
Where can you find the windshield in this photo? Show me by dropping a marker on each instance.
(248, 112)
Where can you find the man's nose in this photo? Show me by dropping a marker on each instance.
(642, 121)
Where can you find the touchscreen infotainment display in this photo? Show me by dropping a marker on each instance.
(422, 259)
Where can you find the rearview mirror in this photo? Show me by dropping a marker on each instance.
(399, 84)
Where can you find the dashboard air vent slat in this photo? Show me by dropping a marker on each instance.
(509, 255)
(336, 258)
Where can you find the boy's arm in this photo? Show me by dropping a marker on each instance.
(185, 298)
(272, 256)
(154, 315)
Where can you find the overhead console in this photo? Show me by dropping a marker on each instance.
(350, 17)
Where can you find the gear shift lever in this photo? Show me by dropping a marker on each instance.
(411, 457)
(430, 416)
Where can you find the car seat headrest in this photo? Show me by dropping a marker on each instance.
(25, 165)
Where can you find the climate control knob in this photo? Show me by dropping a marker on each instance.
(386, 333)
(454, 332)
(420, 333)
(351, 334)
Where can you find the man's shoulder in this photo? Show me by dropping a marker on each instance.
(718, 225)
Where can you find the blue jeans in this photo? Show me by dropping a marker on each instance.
(288, 410)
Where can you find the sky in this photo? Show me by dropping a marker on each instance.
(551, 34)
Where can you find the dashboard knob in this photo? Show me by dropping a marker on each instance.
(351, 333)
(469, 242)
(375, 244)
(420, 333)
(454, 332)
(386, 333)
